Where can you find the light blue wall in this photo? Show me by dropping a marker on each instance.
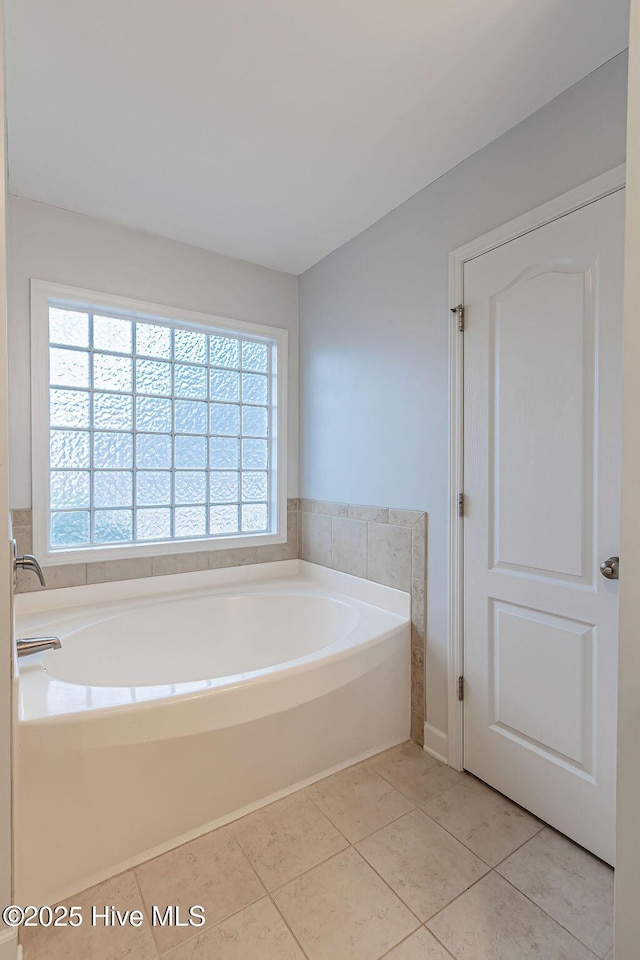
(374, 317)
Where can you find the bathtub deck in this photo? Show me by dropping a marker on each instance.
(397, 857)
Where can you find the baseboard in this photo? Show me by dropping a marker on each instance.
(436, 743)
(9, 949)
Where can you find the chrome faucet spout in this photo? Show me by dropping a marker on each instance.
(37, 645)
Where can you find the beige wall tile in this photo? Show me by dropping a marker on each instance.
(417, 615)
(373, 514)
(88, 942)
(417, 728)
(256, 933)
(316, 539)
(306, 506)
(418, 589)
(389, 555)
(211, 871)
(71, 575)
(419, 549)
(66, 575)
(107, 570)
(293, 539)
(349, 546)
(22, 518)
(404, 518)
(179, 563)
(330, 509)
(24, 540)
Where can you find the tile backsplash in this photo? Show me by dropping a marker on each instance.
(76, 574)
(383, 544)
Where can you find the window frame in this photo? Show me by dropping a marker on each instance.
(45, 293)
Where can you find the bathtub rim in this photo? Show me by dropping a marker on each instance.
(241, 698)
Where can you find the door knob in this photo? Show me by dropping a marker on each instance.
(610, 568)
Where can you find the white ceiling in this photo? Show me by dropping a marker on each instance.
(275, 130)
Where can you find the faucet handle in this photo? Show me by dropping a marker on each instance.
(28, 562)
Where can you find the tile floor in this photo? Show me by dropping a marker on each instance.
(397, 857)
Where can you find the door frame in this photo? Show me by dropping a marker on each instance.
(602, 186)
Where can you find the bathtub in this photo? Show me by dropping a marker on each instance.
(178, 703)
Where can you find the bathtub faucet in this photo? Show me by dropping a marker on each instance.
(37, 645)
(28, 562)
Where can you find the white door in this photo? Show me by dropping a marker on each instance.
(542, 444)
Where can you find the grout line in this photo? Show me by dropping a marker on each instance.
(289, 927)
(389, 887)
(566, 929)
(145, 910)
(367, 836)
(201, 931)
(205, 929)
(489, 865)
(457, 897)
(413, 934)
(532, 837)
(320, 863)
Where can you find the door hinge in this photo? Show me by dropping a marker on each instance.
(461, 504)
(459, 311)
(460, 688)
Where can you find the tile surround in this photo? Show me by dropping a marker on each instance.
(77, 574)
(351, 881)
(383, 544)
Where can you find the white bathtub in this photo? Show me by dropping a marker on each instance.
(178, 703)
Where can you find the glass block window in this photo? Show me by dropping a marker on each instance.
(158, 431)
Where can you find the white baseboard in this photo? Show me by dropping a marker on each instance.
(9, 949)
(436, 743)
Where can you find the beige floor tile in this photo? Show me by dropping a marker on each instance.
(359, 801)
(342, 910)
(420, 946)
(99, 942)
(211, 871)
(256, 933)
(286, 838)
(575, 888)
(425, 866)
(493, 921)
(414, 773)
(484, 820)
